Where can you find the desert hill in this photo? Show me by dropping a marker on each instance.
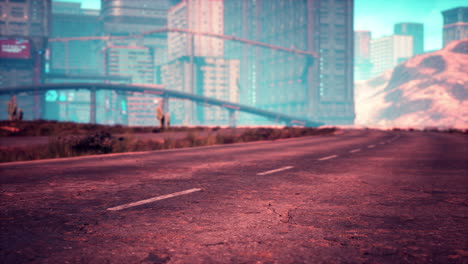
(428, 90)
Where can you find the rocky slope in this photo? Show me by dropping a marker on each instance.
(428, 90)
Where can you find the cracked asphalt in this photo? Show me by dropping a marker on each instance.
(363, 196)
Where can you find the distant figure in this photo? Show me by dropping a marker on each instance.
(19, 114)
(164, 118)
(167, 117)
(14, 112)
(160, 116)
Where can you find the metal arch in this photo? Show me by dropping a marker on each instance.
(161, 91)
(188, 31)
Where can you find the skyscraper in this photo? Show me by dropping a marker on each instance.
(389, 51)
(213, 77)
(416, 30)
(75, 57)
(137, 58)
(126, 17)
(24, 30)
(319, 89)
(362, 62)
(241, 20)
(130, 16)
(455, 24)
(197, 64)
(136, 62)
(72, 58)
(198, 16)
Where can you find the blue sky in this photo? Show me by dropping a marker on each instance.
(93, 4)
(379, 16)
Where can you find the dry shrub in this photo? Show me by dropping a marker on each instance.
(169, 143)
(100, 141)
(54, 128)
(211, 140)
(23, 153)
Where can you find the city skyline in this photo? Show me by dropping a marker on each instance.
(275, 78)
(281, 80)
(369, 15)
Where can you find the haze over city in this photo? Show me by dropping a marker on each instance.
(233, 131)
(319, 88)
(369, 15)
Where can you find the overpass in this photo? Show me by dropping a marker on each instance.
(310, 58)
(159, 90)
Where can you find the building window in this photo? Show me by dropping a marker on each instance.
(339, 39)
(17, 32)
(17, 12)
(340, 29)
(17, 23)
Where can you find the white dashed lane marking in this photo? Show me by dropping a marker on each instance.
(354, 150)
(328, 157)
(371, 146)
(273, 171)
(154, 199)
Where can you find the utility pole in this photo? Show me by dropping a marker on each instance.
(232, 118)
(92, 106)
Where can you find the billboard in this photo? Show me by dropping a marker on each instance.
(15, 48)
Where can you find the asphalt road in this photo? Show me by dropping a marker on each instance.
(357, 197)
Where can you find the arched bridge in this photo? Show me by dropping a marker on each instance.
(159, 90)
(192, 33)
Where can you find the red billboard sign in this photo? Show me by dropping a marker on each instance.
(11, 48)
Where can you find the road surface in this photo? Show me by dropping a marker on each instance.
(363, 196)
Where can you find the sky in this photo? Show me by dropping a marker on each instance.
(379, 16)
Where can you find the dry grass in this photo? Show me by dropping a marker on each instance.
(71, 139)
(54, 128)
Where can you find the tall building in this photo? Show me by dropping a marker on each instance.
(71, 8)
(416, 30)
(24, 29)
(133, 16)
(318, 89)
(137, 63)
(241, 20)
(196, 63)
(73, 61)
(362, 62)
(213, 77)
(138, 58)
(198, 16)
(77, 58)
(455, 24)
(389, 51)
(25, 18)
(126, 17)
